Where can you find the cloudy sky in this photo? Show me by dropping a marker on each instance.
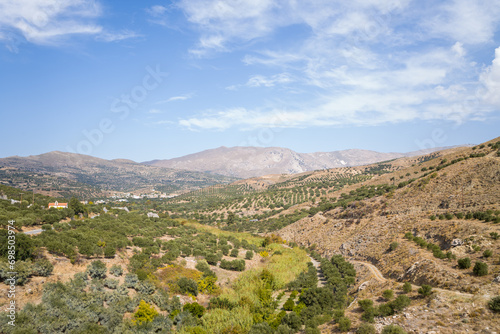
(160, 79)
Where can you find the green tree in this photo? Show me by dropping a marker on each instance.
(344, 324)
(366, 329)
(407, 287)
(464, 263)
(494, 304)
(388, 294)
(75, 205)
(393, 329)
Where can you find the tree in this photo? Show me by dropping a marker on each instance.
(480, 269)
(75, 205)
(407, 287)
(231, 218)
(195, 309)
(249, 255)
(188, 285)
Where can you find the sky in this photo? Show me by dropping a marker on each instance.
(147, 80)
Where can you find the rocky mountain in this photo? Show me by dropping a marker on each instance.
(245, 162)
(71, 174)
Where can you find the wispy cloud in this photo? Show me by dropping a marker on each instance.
(51, 22)
(364, 62)
(176, 98)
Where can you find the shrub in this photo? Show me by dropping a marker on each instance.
(249, 255)
(188, 285)
(131, 280)
(236, 265)
(393, 246)
(494, 235)
(195, 309)
(464, 263)
(432, 217)
(487, 253)
(97, 269)
(212, 259)
(344, 324)
(42, 267)
(388, 294)
(234, 252)
(289, 304)
(366, 329)
(116, 270)
(393, 329)
(400, 303)
(365, 304)
(111, 283)
(293, 321)
(407, 287)
(425, 290)
(145, 313)
(261, 328)
(494, 304)
(109, 251)
(480, 269)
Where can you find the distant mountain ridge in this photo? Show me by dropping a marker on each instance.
(70, 174)
(246, 162)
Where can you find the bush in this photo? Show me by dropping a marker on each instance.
(365, 304)
(145, 313)
(97, 269)
(400, 303)
(494, 304)
(480, 269)
(487, 253)
(195, 309)
(464, 263)
(407, 287)
(109, 252)
(188, 285)
(234, 252)
(344, 324)
(393, 246)
(494, 235)
(261, 328)
(236, 265)
(42, 267)
(393, 329)
(293, 321)
(116, 270)
(289, 304)
(131, 280)
(249, 255)
(388, 294)
(366, 329)
(425, 290)
(111, 283)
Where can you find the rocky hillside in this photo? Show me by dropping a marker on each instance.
(246, 162)
(440, 211)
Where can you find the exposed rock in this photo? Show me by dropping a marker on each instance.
(457, 242)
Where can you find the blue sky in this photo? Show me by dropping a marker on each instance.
(158, 79)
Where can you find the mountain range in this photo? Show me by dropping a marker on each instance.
(69, 174)
(246, 162)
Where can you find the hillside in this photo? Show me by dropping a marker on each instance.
(247, 162)
(439, 211)
(67, 174)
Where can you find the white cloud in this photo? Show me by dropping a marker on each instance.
(490, 78)
(51, 22)
(154, 111)
(467, 21)
(176, 98)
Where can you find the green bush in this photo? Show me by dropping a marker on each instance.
(480, 269)
(195, 309)
(366, 329)
(97, 269)
(393, 329)
(388, 294)
(289, 304)
(116, 270)
(494, 235)
(131, 280)
(365, 304)
(261, 328)
(393, 246)
(400, 303)
(42, 267)
(293, 321)
(344, 324)
(494, 304)
(407, 287)
(464, 263)
(425, 290)
(188, 285)
(487, 253)
(249, 255)
(234, 252)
